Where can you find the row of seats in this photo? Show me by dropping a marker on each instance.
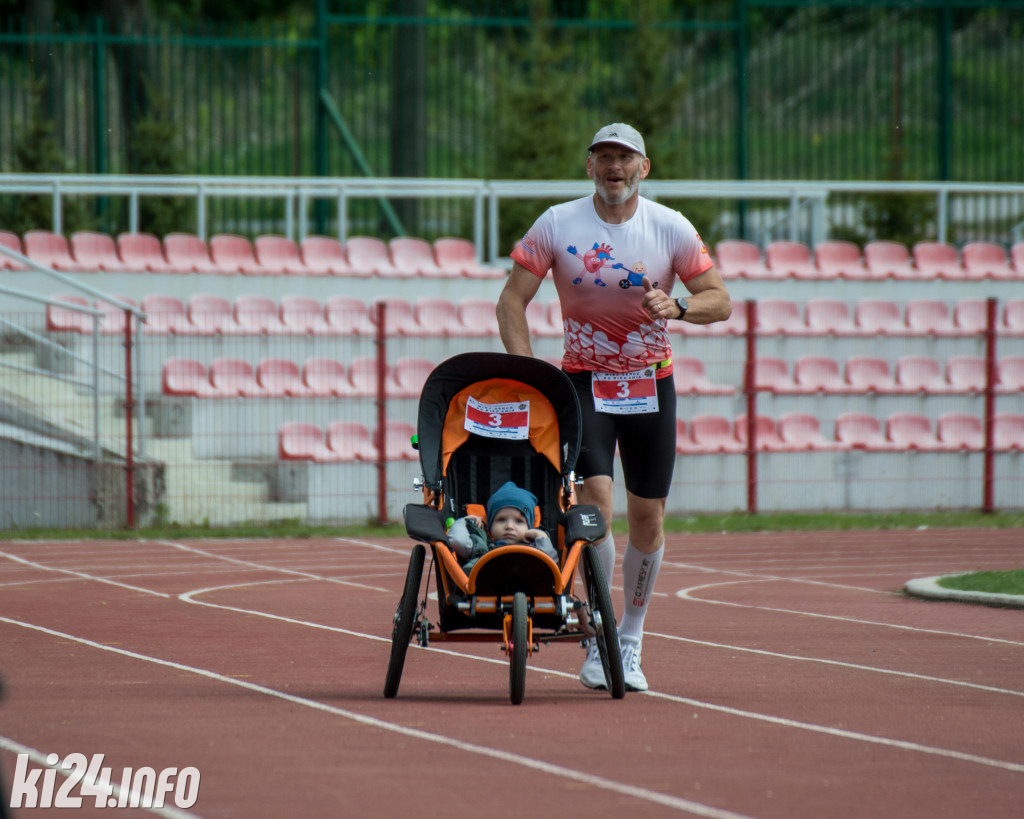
(882, 259)
(344, 441)
(228, 254)
(206, 314)
(870, 374)
(797, 431)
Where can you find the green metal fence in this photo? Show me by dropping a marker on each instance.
(749, 89)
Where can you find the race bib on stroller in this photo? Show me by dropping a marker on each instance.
(510, 421)
(625, 393)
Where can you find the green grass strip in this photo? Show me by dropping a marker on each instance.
(1011, 582)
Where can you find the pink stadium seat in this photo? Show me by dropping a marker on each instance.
(538, 316)
(303, 315)
(740, 259)
(350, 441)
(1008, 432)
(1011, 374)
(920, 374)
(790, 260)
(801, 431)
(966, 373)
(815, 373)
(363, 378)
(409, 375)
(936, 260)
(114, 318)
(281, 254)
(837, 258)
(368, 256)
(300, 441)
(187, 253)
(187, 377)
(166, 314)
(12, 241)
(713, 433)
(411, 253)
(281, 378)
(829, 317)
(143, 252)
(461, 255)
(477, 317)
(857, 430)
(1017, 259)
(234, 377)
(349, 316)
(1013, 317)
(235, 255)
(97, 251)
(258, 315)
(780, 316)
(888, 260)
(879, 317)
(212, 315)
(684, 444)
(766, 433)
(324, 255)
(911, 431)
(399, 319)
(50, 249)
(398, 441)
(970, 316)
(987, 260)
(929, 317)
(958, 430)
(62, 320)
(436, 317)
(326, 378)
(869, 374)
(691, 379)
(771, 374)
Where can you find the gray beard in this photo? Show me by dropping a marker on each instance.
(628, 189)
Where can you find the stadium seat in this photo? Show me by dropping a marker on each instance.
(684, 444)
(114, 318)
(936, 260)
(960, 431)
(713, 433)
(460, 254)
(235, 255)
(928, 317)
(234, 377)
(983, 260)
(12, 241)
(829, 317)
(1013, 317)
(837, 258)
(1017, 259)
(780, 316)
(281, 378)
(399, 319)
(436, 317)
(350, 441)
(911, 431)
(324, 255)
(50, 249)
(368, 256)
(212, 315)
(1008, 432)
(888, 260)
(874, 316)
(187, 253)
(793, 260)
(281, 254)
(1011, 374)
(766, 433)
(970, 316)
(166, 314)
(258, 315)
(398, 441)
(349, 316)
(303, 315)
(477, 317)
(920, 374)
(362, 376)
(63, 320)
(771, 374)
(143, 252)
(409, 375)
(411, 253)
(815, 373)
(97, 251)
(186, 377)
(740, 259)
(301, 441)
(966, 373)
(691, 379)
(856, 430)
(802, 431)
(869, 374)
(326, 378)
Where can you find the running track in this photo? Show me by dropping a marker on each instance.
(790, 678)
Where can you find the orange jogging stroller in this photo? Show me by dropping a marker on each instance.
(484, 419)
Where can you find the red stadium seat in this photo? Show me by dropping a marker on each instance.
(801, 431)
(780, 316)
(114, 318)
(787, 259)
(461, 255)
(888, 260)
(212, 315)
(187, 253)
(323, 255)
(1017, 259)
(281, 378)
(929, 317)
(766, 433)
(326, 378)
(691, 379)
(63, 320)
(411, 253)
(815, 373)
(436, 317)
(363, 377)
(349, 316)
(970, 316)
(911, 431)
(712, 433)
(936, 260)
(300, 441)
(829, 317)
(409, 375)
(879, 317)
(50, 249)
(477, 317)
(398, 441)
(12, 241)
(856, 430)
(303, 315)
(97, 251)
(958, 430)
(869, 374)
(258, 315)
(966, 373)
(1013, 317)
(920, 374)
(1008, 432)
(987, 260)
(740, 259)
(186, 377)
(234, 377)
(143, 252)
(281, 254)
(1011, 374)
(235, 255)
(350, 441)
(837, 258)
(399, 319)
(771, 374)
(166, 314)
(368, 256)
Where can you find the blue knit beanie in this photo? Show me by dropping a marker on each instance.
(509, 494)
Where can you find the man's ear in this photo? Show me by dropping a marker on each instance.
(590, 166)
(645, 168)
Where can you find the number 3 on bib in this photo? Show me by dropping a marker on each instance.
(625, 393)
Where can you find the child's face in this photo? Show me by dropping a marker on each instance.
(509, 524)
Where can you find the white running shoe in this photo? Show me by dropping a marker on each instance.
(592, 670)
(634, 677)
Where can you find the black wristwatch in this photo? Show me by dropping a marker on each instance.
(683, 307)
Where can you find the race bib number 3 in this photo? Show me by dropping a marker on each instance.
(510, 421)
(625, 393)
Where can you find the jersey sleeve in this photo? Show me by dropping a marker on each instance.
(535, 250)
(691, 256)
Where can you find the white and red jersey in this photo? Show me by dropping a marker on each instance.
(597, 269)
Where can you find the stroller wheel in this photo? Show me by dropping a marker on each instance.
(519, 648)
(603, 619)
(405, 619)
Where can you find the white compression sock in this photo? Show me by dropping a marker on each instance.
(639, 571)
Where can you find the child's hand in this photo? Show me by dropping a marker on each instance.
(533, 534)
(476, 519)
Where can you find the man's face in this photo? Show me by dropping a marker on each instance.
(616, 172)
(509, 524)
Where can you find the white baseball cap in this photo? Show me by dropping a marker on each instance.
(621, 134)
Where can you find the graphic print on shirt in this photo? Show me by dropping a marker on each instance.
(593, 260)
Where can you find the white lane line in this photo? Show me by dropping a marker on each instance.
(761, 576)
(686, 594)
(112, 787)
(782, 721)
(81, 575)
(537, 765)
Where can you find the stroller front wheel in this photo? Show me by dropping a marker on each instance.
(405, 619)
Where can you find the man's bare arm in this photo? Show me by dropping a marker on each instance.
(709, 300)
(519, 290)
